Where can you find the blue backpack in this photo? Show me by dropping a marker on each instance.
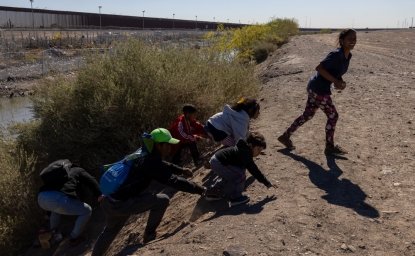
(115, 174)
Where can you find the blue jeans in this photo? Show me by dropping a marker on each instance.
(59, 203)
(231, 182)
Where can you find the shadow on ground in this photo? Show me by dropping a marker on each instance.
(221, 208)
(340, 192)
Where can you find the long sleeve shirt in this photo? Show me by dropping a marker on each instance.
(241, 156)
(233, 123)
(77, 179)
(184, 129)
(152, 167)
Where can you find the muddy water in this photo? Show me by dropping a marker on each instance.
(13, 110)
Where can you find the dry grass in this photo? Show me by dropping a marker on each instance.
(98, 116)
(18, 211)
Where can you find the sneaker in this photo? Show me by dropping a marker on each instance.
(238, 201)
(149, 236)
(334, 150)
(286, 141)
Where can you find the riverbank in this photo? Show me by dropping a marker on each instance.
(17, 87)
(362, 205)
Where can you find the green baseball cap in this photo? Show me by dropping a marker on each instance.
(161, 135)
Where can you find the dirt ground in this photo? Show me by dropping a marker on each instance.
(359, 205)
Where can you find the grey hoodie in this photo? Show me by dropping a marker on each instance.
(235, 124)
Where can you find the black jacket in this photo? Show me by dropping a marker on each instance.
(241, 156)
(152, 167)
(78, 179)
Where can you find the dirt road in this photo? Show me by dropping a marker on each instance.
(362, 205)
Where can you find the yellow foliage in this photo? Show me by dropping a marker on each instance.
(57, 36)
(244, 40)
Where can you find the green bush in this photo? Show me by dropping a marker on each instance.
(97, 117)
(262, 50)
(245, 40)
(18, 211)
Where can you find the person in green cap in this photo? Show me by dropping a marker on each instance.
(132, 198)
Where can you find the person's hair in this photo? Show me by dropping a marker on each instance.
(189, 108)
(249, 105)
(256, 139)
(343, 34)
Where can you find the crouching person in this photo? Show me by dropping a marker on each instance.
(131, 198)
(229, 165)
(61, 195)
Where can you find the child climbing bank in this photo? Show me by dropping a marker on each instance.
(230, 165)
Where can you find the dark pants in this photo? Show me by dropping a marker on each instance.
(231, 181)
(117, 213)
(315, 102)
(177, 158)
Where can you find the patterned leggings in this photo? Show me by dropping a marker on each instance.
(314, 102)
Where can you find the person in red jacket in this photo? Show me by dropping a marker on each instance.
(188, 130)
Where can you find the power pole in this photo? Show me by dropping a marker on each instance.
(143, 18)
(173, 20)
(99, 7)
(33, 17)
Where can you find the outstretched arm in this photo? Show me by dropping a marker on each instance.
(163, 173)
(254, 170)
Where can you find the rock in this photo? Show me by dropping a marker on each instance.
(389, 212)
(352, 248)
(235, 250)
(386, 170)
(396, 184)
(348, 248)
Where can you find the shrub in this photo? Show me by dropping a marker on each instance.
(246, 39)
(98, 116)
(262, 50)
(18, 212)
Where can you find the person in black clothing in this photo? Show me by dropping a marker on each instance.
(61, 194)
(230, 164)
(132, 197)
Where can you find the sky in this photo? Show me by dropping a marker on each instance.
(308, 13)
